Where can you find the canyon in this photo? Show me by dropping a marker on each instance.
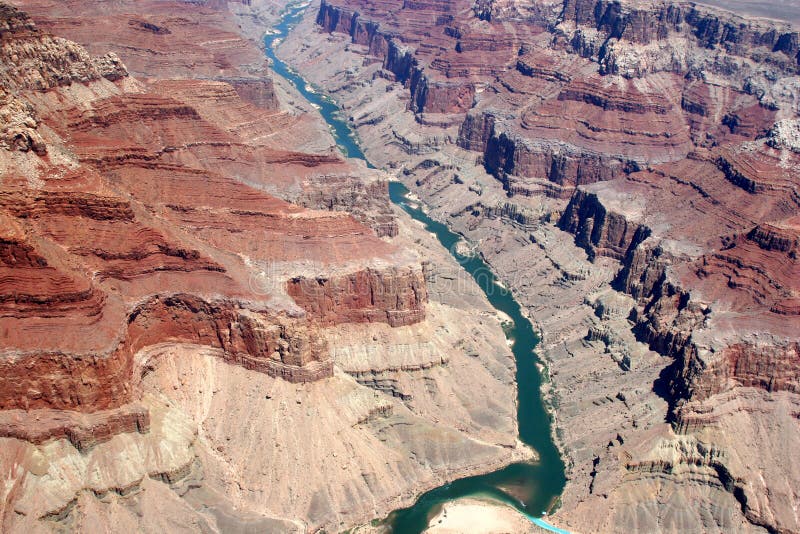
(210, 320)
(630, 170)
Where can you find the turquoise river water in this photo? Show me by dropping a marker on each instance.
(531, 488)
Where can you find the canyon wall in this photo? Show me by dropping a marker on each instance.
(625, 128)
(129, 221)
(657, 138)
(190, 272)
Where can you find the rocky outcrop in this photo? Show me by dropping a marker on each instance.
(476, 130)
(40, 289)
(36, 60)
(276, 346)
(785, 134)
(555, 169)
(153, 43)
(19, 126)
(397, 297)
(610, 99)
(257, 341)
(439, 97)
(774, 238)
(710, 28)
(259, 92)
(768, 366)
(83, 431)
(510, 158)
(367, 201)
(427, 95)
(598, 230)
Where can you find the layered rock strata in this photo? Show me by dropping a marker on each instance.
(658, 143)
(138, 238)
(180, 270)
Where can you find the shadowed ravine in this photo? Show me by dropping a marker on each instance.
(531, 488)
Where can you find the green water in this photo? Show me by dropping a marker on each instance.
(532, 488)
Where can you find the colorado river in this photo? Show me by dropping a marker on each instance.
(531, 488)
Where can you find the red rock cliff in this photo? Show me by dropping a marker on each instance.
(135, 214)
